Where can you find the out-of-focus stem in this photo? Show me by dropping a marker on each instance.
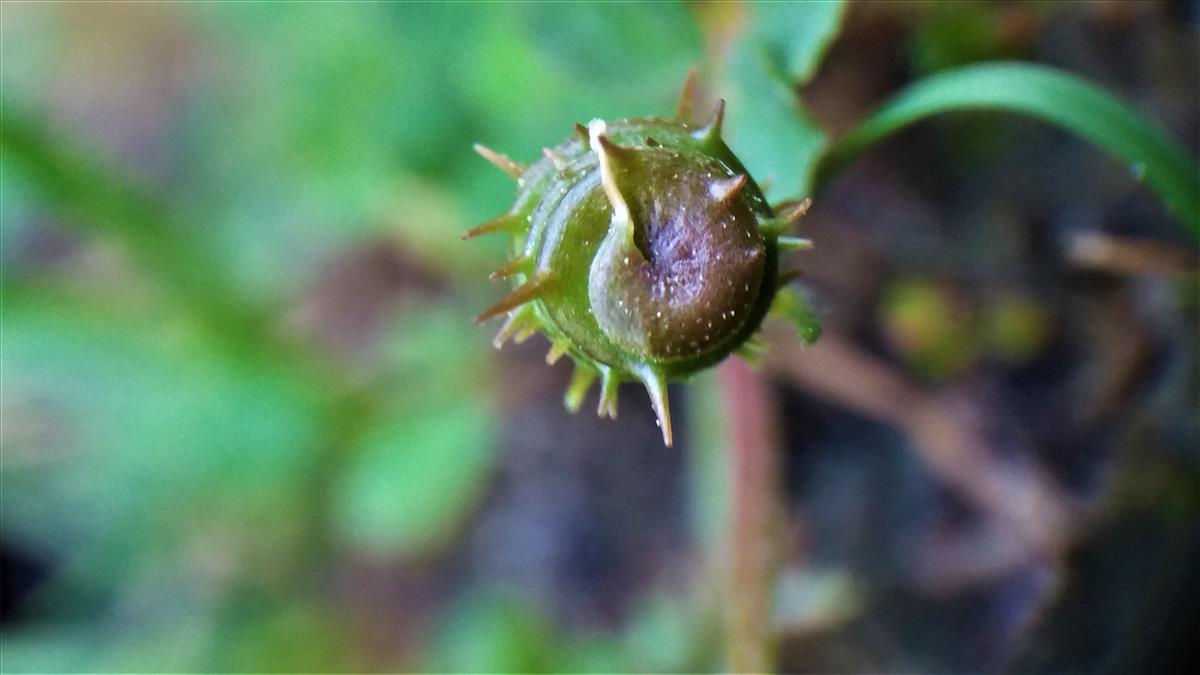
(753, 448)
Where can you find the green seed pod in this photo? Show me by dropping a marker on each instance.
(641, 248)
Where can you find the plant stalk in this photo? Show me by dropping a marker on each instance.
(753, 443)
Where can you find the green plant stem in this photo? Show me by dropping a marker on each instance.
(753, 443)
(1047, 94)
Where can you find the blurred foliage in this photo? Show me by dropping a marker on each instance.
(489, 632)
(125, 426)
(784, 46)
(958, 33)
(412, 476)
(140, 451)
(194, 463)
(939, 332)
(1015, 327)
(928, 328)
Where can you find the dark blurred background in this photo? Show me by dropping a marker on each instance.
(271, 439)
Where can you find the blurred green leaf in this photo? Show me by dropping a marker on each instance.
(1015, 327)
(352, 105)
(792, 305)
(767, 127)
(794, 36)
(435, 353)
(606, 43)
(100, 201)
(660, 634)
(768, 131)
(19, 210)
(419, 471)
(416, 476)
(172, 630)
(540, 67)
(490, 632)
(619, 60)
(814, 598)
(129, 438)
(1049, 95)
(297, 636)
(339, 105)
(592, 653)
(933, 333)
(57, 649)
(426, 223)
(957, 33)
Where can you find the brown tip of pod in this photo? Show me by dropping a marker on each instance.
(559, 162)
(607, 406)
(614, 153)
(500, 161)
(656, 386)
(684, 111)
(787, 215)
(518, 323)
(523, 264)
(524, 293)
(711, 131)
(728, 189)
(791, 212)
(505, 223)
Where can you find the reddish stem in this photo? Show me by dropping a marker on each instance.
(753, 444)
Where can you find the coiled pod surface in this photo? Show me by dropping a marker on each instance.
(642, 249)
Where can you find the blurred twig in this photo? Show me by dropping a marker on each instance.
(1024, 498)
(1104, 252)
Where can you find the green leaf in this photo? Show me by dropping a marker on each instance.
(293, 636)
(796, 35)
(415, 477)
(489, 631)
(660, 635)
(99, 200)
(605, 46)
(312, 118)
(1050, 95)
(57, 649)
(421, 471)
(535, 69)
(131, 439)
(790, 304)
(955, 34)
(767, 127)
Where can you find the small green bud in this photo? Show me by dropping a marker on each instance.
(644, 250)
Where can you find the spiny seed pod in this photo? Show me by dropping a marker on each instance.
(642, 249)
